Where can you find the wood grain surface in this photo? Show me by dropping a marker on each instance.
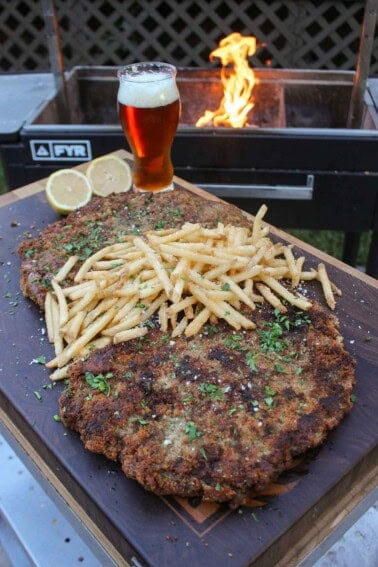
(131, 522)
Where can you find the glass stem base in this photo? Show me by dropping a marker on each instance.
(169, 187)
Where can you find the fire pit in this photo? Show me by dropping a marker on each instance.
(283, 99)
(287, 103)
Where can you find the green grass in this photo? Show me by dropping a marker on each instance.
(327, 240)
(331, 242)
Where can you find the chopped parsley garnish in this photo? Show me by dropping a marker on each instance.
(301, 319)
(30, 252)
(233, 342)
(250, 360)
(212, 391)
(210, 330)
(192, 432)
(39, 360)
(175, 359)
(203, 453)
(139, 420)
(225, 287)
(176, 213)
(271, 338)
(269, 391)
(99, 382)
(282, 319)
(86, 243)
(269, 401)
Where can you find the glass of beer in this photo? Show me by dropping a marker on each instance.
(149, 111)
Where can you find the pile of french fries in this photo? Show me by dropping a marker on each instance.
(188, 276)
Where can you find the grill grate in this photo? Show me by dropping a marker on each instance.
(295, 33)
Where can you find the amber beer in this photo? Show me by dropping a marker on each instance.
(149, 110)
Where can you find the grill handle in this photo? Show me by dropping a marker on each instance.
(299, 192)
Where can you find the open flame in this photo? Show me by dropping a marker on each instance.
(238, 83)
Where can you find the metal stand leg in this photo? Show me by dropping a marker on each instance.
(351, 246)
(372, 263)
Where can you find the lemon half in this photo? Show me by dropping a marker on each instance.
(67, 190)
(109, 174)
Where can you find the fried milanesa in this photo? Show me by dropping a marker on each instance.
(216, 415)
(106, 221)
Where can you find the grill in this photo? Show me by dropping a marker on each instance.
(298, 151)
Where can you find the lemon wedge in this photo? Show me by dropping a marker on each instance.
(67, 190)
(109, 174)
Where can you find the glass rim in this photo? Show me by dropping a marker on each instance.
(159, 71)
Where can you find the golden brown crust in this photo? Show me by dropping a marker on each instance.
(106, 220)
(219, 415)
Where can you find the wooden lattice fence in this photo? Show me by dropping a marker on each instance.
(292, 34)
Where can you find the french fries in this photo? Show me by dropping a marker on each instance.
(186, 277)
(326, 285)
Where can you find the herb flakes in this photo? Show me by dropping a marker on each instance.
(99, 382)
(192, 432)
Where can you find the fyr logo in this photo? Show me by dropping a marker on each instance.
(61, 150)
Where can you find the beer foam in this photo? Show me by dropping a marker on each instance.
(144, 92)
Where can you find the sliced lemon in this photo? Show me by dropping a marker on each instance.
(109, 174)
(67, 190)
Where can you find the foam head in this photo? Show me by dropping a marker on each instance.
(147, 87)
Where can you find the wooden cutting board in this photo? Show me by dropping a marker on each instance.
(131, 522)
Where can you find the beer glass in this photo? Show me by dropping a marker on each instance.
(149, 111)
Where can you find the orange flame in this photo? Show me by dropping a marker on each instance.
(238, 84)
